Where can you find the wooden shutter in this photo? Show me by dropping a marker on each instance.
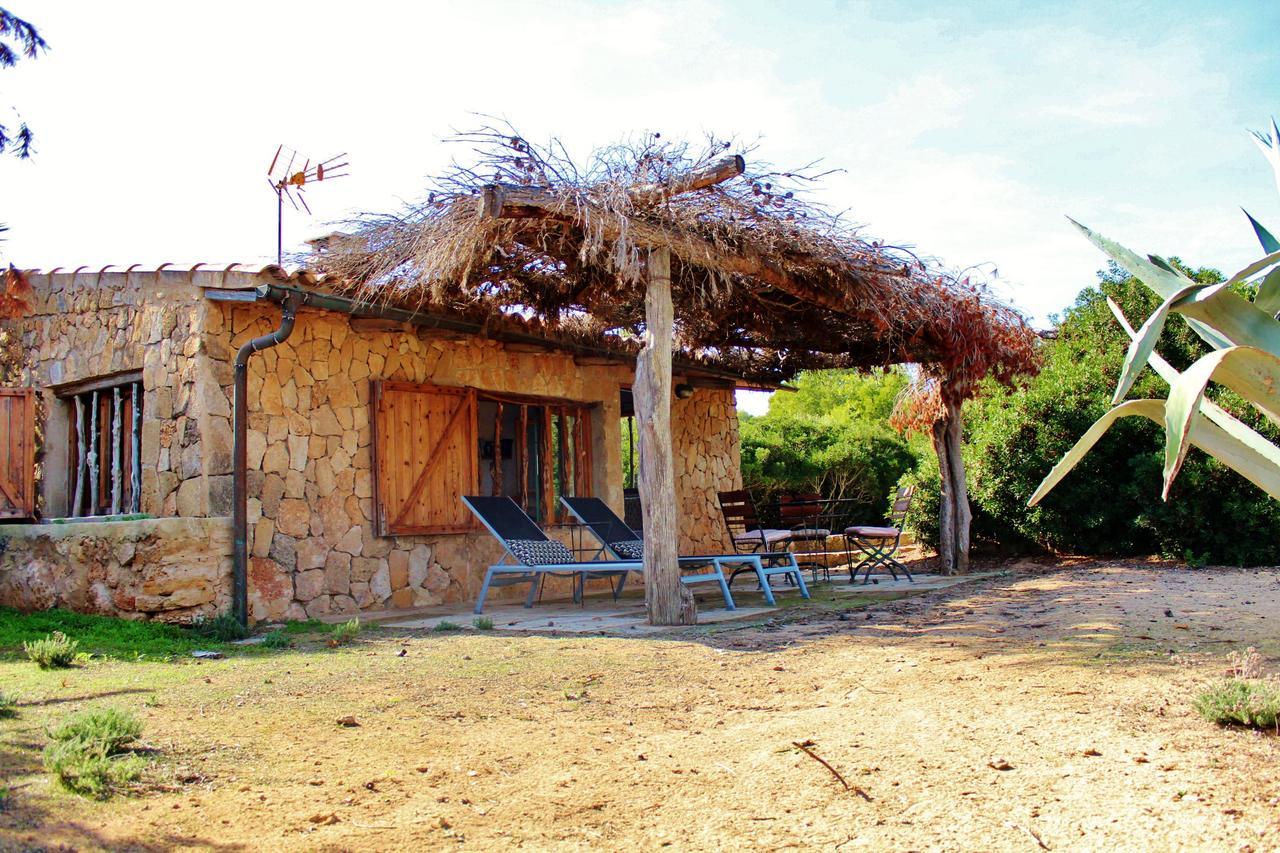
(17, 453)
(424, 457)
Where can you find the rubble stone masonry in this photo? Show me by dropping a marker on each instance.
(313, 547)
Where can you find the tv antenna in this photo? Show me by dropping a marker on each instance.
(289, 175)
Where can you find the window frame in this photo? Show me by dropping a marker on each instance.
(79, 398)
(552, 464)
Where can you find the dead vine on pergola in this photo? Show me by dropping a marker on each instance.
(765, 281)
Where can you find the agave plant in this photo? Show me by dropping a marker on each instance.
(1245, 337)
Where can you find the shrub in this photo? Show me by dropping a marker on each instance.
(224, 628)
(345, 632)
(88, 754)
(1105, 505)
(276, 640)
(8, 704)
(444, 626)
(56, 651)
(482, 623)
(1241, 702)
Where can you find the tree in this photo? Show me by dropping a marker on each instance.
(18, 40)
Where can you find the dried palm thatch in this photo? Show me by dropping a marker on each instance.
(765, 281)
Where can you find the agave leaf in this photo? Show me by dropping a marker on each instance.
(1220, 416)
(1204, 434)
(1270, 148)
(1159, 276)
(1253, 269)
(1268, 297)
(1269, 243)
(1153, 409)
(1141, 347)
(1234, 319)
(1252, 373)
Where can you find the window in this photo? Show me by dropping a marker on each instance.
(432, 445)
(17, 453)
(106, 438)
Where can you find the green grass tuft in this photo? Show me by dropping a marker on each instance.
(276, 640)
(224, 627)
(482, 623)
(1254, 703)
(444, 626)
(8, 705)
(89, 753)
(345, 632)
(56, 651)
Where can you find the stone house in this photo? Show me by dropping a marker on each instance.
(363, 429)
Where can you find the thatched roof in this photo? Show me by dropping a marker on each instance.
(765, 282)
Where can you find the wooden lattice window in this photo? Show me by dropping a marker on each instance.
(17, 453)
(424, 453)
(106, 441)
(433, 444)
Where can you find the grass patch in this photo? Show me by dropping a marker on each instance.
(482, 623)
(8, 705)
(345, 632)
(224, 627)
(56, 651)
(444, 626)
(309, 626)
(276, 640)
(91, 753)
(104, 636)
(1254, 703)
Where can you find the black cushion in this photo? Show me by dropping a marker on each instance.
(539, 552)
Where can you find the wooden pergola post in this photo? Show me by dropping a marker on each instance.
(954, 514)
(667, 599)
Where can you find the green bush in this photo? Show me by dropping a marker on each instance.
(482, 623)
(1105, 505)
(8, 704)
(89, 754)
(56, 651)
(224, 627)
(1241, 702)
(444, 626)
(276, 640)
(830, 437)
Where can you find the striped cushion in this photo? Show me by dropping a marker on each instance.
(770, 536)
(539, 552)
(631, 549)
(872, 532)
(810, 533)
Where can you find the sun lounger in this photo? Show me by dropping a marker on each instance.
(624, 543)
(534, 555)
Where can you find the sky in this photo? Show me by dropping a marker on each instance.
(967, 131)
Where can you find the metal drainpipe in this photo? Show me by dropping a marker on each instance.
(240, 473)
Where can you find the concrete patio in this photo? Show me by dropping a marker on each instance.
(600, 614)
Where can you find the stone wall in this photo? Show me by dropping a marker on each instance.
(171, 569)
(704, 439)
(86, 325)
(312, 542)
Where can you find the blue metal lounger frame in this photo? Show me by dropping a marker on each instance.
(609, 530)
(504, 574)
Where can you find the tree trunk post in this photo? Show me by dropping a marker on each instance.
(667, 599)
(954, 514)
(959, 489)
(946, 507)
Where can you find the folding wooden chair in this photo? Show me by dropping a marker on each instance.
(749, 538)
(879, 544)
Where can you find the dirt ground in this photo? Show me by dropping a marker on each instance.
(1074, 679)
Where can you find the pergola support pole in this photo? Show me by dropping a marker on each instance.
(667, 600)
(954, 514)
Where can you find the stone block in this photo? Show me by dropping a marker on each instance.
(398, 567)
(380, 583)
(294, 517)
(312, 553)
(191, 498)
(402, 598)
(307, 585)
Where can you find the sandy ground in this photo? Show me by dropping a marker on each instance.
(1073, 678)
